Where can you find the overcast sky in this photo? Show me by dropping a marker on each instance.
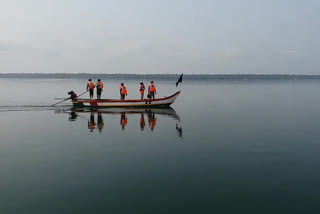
(160, 36)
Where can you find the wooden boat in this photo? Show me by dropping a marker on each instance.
(109, 103)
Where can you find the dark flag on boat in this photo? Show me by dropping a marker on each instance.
(179, 80)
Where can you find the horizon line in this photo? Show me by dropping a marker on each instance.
(201, 74)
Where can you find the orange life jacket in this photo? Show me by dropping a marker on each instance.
(100, 85)
(123, 121)
(92, 125)
(141, 89)
(152, 123)
(152, 88)
(123, 89)
(101, 125)
(90, 85)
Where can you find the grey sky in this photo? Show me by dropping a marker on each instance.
(160, 36)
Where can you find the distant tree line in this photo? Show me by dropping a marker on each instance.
(161, 76)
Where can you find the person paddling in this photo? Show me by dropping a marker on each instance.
(152, 90)
(90, 87)
(99, 86)
(141, 90)
(123, 91)
(73, 95)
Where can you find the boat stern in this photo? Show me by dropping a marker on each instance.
(77, 104)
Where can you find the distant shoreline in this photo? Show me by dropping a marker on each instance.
(162, 76)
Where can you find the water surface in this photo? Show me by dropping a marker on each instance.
(224, 147)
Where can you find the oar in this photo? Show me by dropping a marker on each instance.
(60, 101)
(68, 99)
(59, 98)
(82, 93)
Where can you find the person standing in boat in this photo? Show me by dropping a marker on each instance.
(141, 90)
(90, 87)
(123, 91)
(99, 86)
(152, 90)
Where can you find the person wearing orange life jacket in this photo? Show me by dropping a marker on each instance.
(99, 86)
(90, 87)
(123, 91)
(152, 90)
(141, 90)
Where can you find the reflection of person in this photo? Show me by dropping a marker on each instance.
(179, 130)
(142, 122)
(123, 120)
(152, 90)
(100, 122)
(123, 91)
(99, 86)
(91, 123)
(141, 90)
(152, 120)
(90, 87)
(73, 116)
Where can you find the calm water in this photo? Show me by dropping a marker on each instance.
(225, 147)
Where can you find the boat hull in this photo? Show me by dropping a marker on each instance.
(108, 103)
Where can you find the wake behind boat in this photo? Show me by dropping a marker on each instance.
(109, 103)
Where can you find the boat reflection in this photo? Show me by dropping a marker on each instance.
(142, 122)
(96, 121)
(91, 123)
(123, 120)
(152, 120)
(100, 122)
(73, 116)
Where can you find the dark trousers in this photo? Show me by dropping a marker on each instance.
(122, 96)
(91, 93)
(98, 93)
(151, 95)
